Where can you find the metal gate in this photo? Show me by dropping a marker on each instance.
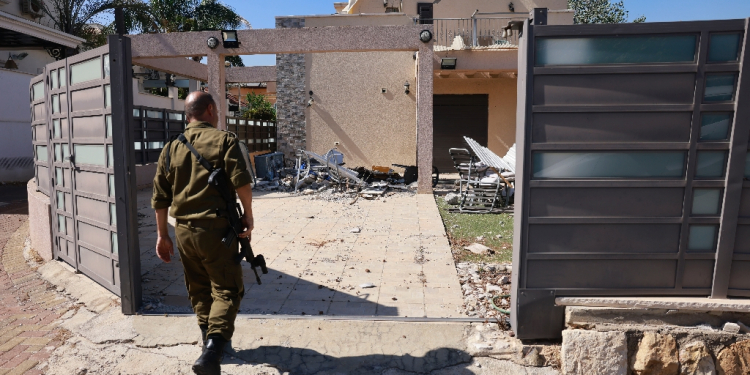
(632, 141)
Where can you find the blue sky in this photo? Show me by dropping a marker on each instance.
(261, 13)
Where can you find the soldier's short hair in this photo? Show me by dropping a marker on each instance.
(197, 105)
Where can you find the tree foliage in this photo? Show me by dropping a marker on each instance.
(600, 11)
(258, 108)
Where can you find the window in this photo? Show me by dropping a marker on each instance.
(53, 79)
(715, 126)
(37, 91)
(86, 71)
(724, 47)
(626, 164)
(629, 49)
(706, 201)
(89, 154)
(711, 164)
(720, 87)
(702, 238)
(41, 153)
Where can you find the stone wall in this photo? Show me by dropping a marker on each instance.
(291, 98)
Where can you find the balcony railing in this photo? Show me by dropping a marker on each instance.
(475, 32)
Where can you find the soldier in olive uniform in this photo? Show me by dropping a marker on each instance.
(213, 279)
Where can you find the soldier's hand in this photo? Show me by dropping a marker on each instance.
(248, 224)
(164, 249)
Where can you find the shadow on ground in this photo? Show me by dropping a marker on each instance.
(305, 361)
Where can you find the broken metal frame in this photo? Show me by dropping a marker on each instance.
(477, 191)
(331, 168)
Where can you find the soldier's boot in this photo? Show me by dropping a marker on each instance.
(204, 332)
(209, 363)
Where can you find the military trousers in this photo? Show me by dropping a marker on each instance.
(213, 279)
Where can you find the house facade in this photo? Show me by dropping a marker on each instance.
(27, 44)
(364, 103)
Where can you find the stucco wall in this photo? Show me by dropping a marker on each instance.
(39, 221)
(501, 132)
(373, 128)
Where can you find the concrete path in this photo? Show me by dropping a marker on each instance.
(317, 265)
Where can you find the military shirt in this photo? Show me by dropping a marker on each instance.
(185, 186)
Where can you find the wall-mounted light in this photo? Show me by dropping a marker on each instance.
(212, 42)
(229, 37)
(511, 7)
(385, 3)
(311, 101)
(227, 64)
(406, 88)
(383, 90)
(448, 63)
(425, 36)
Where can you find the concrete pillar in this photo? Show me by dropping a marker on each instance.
(173, 94)
(424, 118)
(217, 86)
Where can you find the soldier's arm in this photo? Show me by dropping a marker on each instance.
(245, 193)
(240, 178)
(160, 201)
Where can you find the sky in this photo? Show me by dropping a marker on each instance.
(261, 13)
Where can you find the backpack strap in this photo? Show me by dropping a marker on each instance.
(195, 153)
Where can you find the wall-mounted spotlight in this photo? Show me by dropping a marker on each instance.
(212, 42)
(511, 7)
(448, 63)
(227, 64)
(385, 3)
(311, 101)
(229, 37)
(425, 36)
(406, 88)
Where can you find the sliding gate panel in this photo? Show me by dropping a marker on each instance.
(633, 140)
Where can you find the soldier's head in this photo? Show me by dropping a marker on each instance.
(200, 106)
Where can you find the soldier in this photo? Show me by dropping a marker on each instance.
(213, 279)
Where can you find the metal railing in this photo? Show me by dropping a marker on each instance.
(473, 32)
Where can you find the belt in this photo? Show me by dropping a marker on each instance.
(217, 222)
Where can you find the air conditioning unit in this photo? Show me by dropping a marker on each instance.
(32, 8)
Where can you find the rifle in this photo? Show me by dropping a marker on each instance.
(233, 212)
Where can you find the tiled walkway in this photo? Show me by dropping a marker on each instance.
(28, 309)
(317, 265)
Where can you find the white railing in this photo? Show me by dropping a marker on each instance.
(473, 32)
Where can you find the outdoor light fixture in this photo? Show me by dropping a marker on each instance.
(448, 63)
(511, 7)
(212, 42)
(385, 3)
(406, 87)
(227, 64)
(425, 36)
(311, 101)
(229, 37)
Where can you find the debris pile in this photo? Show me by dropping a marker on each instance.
(481, 285)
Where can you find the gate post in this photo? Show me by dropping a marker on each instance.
(121, 79)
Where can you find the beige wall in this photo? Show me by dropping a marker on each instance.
(373, 128)
(358, 20)
(501, 132)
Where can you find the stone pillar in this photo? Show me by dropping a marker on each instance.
(217, 86)
(424, 118)
(291, 96)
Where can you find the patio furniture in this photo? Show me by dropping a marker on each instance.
(482, 193)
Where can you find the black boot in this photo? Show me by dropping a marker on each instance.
(209, 363)
(204, 332)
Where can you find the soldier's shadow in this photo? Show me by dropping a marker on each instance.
(301, 361)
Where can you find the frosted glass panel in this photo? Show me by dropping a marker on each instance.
(111, 185)
(715, 126)
(37, 91)
(58, 152)
(41, 153)
(107, 96)
(60, 200)
(61, 228)
(56, 132)
(720, 87)
(175, 116)
(706, 201)
(106, 65)
(114, 243)
(63, 77)
(711, 164)
(89, 154)
(724, 47)
(136, 112)
(154, 114)
(702, 238)
(112, 214)
(108, 121)
(55, 104)
(608, 164)
(53, 79)
(110, 158)
(615, 50)
(65, 151)
(59, 180)
(86, 71)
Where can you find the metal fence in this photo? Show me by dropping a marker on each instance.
(473, 32)
(632, 147)
(258, 135)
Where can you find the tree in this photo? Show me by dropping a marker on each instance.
(258, 108)
(600, 11)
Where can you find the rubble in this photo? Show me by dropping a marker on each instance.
(478, 248)
(453, 199)
(731, 327)
(480, 284)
